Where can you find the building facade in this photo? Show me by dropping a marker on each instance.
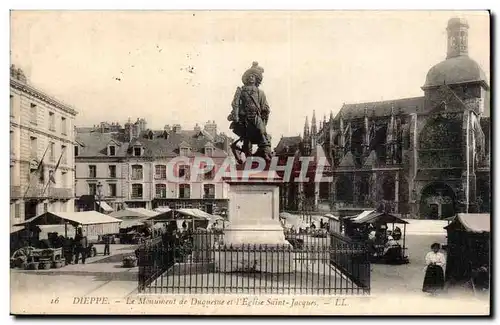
(424, 157)
(128, 167)
(41, 160)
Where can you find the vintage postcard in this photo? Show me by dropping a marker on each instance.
(250, 162)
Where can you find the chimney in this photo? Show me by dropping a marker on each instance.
(197, 128)
(177, 128)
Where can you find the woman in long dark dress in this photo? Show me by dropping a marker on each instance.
(434, 273)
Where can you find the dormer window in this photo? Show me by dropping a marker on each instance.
(184, 151)
(111, 151)
(209, 149)
(137, 151)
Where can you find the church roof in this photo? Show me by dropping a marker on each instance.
(456, 70)
(382, 108)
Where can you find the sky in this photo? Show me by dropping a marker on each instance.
(182, 67)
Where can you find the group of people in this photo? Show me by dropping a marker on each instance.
(381, 240)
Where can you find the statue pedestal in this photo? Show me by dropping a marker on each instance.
(254, 239)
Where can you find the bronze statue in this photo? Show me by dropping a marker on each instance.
(249, 117)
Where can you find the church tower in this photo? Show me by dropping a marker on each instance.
(457, 37)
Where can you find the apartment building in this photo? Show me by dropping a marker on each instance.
(141, 158)
(41, 158)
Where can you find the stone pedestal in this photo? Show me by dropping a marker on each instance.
(254, 240)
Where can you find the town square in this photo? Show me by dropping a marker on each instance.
(275, 155)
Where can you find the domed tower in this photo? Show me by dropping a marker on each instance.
(458, 73)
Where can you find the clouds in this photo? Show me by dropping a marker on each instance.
(178, 68)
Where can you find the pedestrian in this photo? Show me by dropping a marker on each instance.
(107, 242)
(434, 271)
(81, 245)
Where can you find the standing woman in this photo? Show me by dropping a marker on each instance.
(434, 274)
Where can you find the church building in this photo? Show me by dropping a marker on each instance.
(425, 157)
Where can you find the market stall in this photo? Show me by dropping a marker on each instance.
(469, 243)
(93, 223)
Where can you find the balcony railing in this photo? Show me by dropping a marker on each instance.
(209, 196)
(50, 192)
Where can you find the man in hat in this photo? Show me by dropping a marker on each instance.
(250, 114)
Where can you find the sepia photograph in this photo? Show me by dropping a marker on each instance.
(250, 162)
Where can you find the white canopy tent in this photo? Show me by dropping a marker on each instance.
(93, 223)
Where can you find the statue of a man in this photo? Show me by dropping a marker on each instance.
(249, 115)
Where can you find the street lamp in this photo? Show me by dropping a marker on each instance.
(99, 195)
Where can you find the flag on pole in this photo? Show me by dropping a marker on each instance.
(52, 173)
(40, 170)
(52, 177)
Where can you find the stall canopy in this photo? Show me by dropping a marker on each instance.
(469, 242)
(74, 218)
(330, 216)
(105, 207)
(378, 217)
(471, 222)
(185, 214)
(134, 213)
(95, 222)
(165, 216)
(360, 216)
(162, 209)
(129, 223)
(195, 214)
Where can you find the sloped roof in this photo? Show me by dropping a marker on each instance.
(289, 142)
(378, 217)
(382, 108)
(471, 222)
(95, 144)
(161, 147)
(83, 218)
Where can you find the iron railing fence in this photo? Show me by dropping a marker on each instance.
(200, 262)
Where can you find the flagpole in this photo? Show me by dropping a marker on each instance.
(53, 172)
(38, 168)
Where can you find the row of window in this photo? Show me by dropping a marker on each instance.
(34, 117)
(138, 172)
(160, 191)
(52, 121)
(50, 153)
(138, 151)
(111, 171)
